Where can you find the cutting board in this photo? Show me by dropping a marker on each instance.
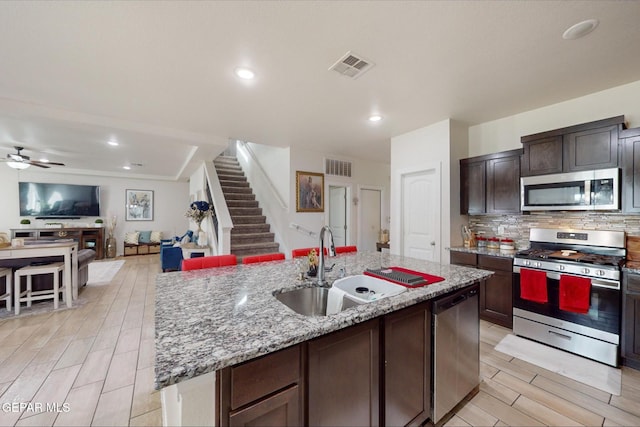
(633, 248)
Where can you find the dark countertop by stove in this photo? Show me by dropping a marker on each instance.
(485, 251)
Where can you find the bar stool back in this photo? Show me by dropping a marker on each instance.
(29, 295)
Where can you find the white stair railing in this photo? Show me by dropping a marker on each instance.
(225, 224)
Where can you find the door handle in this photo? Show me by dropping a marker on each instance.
(433, 243)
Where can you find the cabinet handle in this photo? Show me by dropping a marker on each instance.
(566, 337)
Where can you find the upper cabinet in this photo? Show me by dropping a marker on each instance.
(630, 149)
(490, 184)
(588, 146)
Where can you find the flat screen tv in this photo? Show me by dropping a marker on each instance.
(45, 200)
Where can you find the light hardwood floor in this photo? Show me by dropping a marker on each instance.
(98, 360)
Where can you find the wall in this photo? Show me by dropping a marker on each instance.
(171, 200)
(504, 134)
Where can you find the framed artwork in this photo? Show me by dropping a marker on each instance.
(309, 192)
(139, 205)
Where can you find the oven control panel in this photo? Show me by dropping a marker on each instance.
(573, 236)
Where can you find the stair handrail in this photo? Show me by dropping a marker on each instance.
(264, 174)
(225, 224)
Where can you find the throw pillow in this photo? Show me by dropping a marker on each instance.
(145, 236)
(131, 237)
(156, 236)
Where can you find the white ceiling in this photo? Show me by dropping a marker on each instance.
(158, 76)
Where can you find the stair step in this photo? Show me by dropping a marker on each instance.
(242, 203)
(229, 171)
(236, 178)
(255, 248)
(238, 196)
(235, 190)
(251, 238)
(244, 211)
(230, 183)
(249, 219)
(230, 161)
(249, 228)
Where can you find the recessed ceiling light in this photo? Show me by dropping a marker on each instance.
(245, 73)
(375, 118)
(580, 29)
(113, 143)
(126, 167)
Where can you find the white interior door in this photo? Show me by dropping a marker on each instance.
(338, 214)
(370, 224)
(421, 215)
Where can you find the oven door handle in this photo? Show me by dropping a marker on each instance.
(598, 283)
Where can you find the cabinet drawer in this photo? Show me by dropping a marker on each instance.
(463, 258)
(257, 378)
(633, 284)
(495, 263)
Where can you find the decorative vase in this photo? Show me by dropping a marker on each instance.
(111, 247)
(313, 271)
(202, 238)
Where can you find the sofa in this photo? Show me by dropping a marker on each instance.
(42, 282)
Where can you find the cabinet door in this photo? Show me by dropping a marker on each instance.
(496, 300)
(542, 156)
(472, 185)
(343, 381)
(280, 409)
(503, 185)
(631, 321)
(463, 258)
(407, 366)
(591, 149)
(631, 180)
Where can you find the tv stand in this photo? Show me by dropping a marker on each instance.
(58, 217)
(87, 238)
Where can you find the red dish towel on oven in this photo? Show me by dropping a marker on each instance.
(575, 293)
(533, 285)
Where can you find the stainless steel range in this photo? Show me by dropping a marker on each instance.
(593, 259)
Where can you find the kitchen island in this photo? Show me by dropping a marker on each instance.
(207, 320)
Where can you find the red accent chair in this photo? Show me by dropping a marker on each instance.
(209, 262)
(263, 258)
(345, 249)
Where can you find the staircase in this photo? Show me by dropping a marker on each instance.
(250, 234)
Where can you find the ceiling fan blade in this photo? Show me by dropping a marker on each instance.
(47, 163)
(38, 164)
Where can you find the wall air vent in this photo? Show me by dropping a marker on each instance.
(337, 167)
(352, 65)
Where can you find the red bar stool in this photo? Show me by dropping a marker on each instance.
(263, 258)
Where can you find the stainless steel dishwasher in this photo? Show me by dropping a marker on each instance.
(456, 349)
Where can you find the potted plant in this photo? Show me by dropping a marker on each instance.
(25, 223)
(99, 222)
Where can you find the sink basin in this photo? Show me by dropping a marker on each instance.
(364, 289)
(306, 301)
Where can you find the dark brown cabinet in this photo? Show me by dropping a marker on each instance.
(496, 299)
(490, 184)
(587, 146)
(630, 146)
(407, 366)
(344, 377)
(631, 320)
(263, 391)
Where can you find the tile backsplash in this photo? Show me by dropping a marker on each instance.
(517, 227)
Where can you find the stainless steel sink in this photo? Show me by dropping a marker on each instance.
(306, 301)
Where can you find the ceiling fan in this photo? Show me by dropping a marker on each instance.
(21, 161)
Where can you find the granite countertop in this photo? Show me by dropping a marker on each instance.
(632, 267)
(213, 318)
(485, 251)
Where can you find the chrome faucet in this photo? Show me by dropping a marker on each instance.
(331, 252)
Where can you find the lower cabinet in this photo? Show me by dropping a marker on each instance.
(496, 292)
(407, 366)
(631, 321)
(344, 377)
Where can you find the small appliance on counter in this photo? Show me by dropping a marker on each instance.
(468, 237)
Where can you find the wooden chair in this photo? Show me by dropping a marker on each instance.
(345, 249)
(263, 258)
(212, 261)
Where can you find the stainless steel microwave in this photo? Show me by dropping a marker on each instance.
(583, 191)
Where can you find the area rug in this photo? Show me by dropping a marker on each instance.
(102, 272)
(594, 374)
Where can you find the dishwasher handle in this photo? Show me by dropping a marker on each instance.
(456, 298)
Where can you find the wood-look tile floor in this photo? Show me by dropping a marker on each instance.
(96, 363)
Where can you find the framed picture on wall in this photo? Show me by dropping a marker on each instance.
(309, 192)
(139, 205)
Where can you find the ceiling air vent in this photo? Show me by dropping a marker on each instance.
(337, 167)
(352, 65)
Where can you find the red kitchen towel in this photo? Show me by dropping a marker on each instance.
(575, 293)
(533, 285)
